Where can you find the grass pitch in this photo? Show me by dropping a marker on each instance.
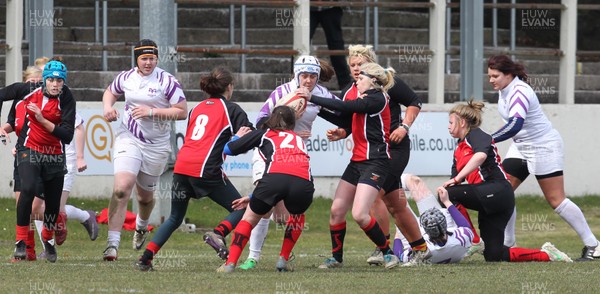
(187, 265)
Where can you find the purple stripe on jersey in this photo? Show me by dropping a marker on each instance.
(519, 92)
(129, 73)
(181, 98)
(141, 137)
(287, 88)
(170, 82)
(175, 86)
(518, 101)
(162, 75)
(460, 237)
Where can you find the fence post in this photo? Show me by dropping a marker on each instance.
(14, 37)
(568, 45)
(437, 27)
(302, 27)
(471, 49)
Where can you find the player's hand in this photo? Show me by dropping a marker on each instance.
(443, 195)
(304, 92)
(81, 165)
(4, 136)
(398, 135)
(451, 182)
(140, 112)
(336, 134)
(111, 114)
(243, 131)
(240, 203)
(36, 110)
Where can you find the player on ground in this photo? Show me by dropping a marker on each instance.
(488, 190)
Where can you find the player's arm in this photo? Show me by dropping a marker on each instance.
(239, 145)
(369, 104)
(459, 219)
(517, 113)
(80, 145)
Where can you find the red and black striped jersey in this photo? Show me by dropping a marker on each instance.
(370, 123)
(211, 124)
(59, 110)
(284, 152)
(478, 141)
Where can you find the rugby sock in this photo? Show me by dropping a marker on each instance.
(524, 254)
(22, 233)
(39, 226)
(293, 229)
(78, 214)
(114, 238)
(464, 212)
(150, 251)
(47, 234)
(338, 233)
(398, 248)
(30, 241)
(139, 223)
(374, 232)
(224, 228)
(509, 231)
(571, 213)
(239, 240)
(418, 245)
(257, 238)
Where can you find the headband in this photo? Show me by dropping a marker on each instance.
(377, 81)
(144, 51)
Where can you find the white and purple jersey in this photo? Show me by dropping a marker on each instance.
(455, 248)
(160, 89)
(519, 100)
(311, 112)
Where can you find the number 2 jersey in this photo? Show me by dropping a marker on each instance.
(211, 125)
(284, 152)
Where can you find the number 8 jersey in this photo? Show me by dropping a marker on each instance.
(210, 125)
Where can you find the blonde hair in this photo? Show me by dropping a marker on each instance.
(31, 71)
(40, 62)
(470, 112)
(365, 51)
(385, 76)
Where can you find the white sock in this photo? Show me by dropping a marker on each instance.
(39, 226)
(257, 238)
(114, 238)
(509, 232)
(76, 213)
(140, 223)
(571, 213)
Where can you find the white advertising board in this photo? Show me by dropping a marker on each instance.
(431, 147)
